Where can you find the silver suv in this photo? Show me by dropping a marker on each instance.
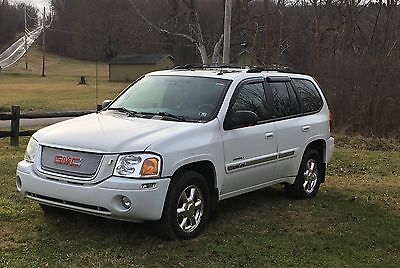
(175, 143)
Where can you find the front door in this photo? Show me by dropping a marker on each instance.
(250, 151)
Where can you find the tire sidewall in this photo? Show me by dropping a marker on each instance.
(178, 185)
(309, 154)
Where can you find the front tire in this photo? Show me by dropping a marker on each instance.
(309, 177)
(186, 208)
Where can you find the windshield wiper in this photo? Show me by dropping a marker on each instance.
(169, 115)
(124, 110)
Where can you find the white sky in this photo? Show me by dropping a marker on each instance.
(37, 3)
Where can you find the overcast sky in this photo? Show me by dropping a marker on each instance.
(38, 3)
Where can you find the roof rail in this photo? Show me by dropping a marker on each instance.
(270, 68)
(249, 69)
(193, 66)
(221, 68)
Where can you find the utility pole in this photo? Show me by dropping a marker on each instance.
(26, 41)
(44, 41)
(227, 31)
(97, 74)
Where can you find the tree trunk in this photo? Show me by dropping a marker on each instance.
(267, 33)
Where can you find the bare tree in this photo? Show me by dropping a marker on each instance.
(351, 46)
(196, 36)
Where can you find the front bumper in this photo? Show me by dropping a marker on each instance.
(103, 199)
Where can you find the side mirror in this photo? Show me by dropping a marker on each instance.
(243, 118)
(105, 104)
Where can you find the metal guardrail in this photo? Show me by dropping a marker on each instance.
(15, 115)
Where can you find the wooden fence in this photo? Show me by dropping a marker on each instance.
(15, 115)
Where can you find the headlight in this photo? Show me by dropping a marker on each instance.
(31, 150)
(138, 166)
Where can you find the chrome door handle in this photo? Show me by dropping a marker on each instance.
(269, 135)
(305, 128)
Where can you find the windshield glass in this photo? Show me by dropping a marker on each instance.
(191, 98)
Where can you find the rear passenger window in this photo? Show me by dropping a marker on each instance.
(308, 94)
(285, 100)
(251, 97)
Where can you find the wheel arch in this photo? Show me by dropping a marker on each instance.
(207, 169)
(319, 145)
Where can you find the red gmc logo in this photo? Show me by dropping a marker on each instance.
(68, 160)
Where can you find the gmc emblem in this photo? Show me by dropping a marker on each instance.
(68, 160)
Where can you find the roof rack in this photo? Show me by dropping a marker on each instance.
(222, 68)
(193, 66)
(270, 68)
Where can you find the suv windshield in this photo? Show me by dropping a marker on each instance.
(173, 97)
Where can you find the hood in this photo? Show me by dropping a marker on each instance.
(108, 132)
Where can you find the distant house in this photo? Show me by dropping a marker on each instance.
(247, 58)
(130, 67)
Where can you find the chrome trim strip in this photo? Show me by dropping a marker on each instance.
(68, 206)
(44, 173)
(286, 154)
(70, 148)
(256, 161)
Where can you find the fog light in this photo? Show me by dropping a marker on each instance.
(126, 202)
(149, 185)
(19, 183)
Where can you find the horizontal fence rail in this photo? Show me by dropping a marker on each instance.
(15, 116)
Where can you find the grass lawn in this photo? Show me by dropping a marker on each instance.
(353, 222)
(59, 90)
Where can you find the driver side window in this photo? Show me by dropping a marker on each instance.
(251, 97)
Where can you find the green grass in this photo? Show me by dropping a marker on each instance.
(354, 221)
(59, 90)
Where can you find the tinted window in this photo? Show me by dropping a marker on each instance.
(251, 97)
(293, 99)
(309, 95)
(285, 100)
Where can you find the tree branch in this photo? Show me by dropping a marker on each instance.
(217, 49)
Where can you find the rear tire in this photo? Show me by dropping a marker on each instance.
(186, 209)
(309, 177)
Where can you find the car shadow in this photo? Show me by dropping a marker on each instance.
(70, 223)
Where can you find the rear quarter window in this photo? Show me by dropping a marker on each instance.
(308, 94)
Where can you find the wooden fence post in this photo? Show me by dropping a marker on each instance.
(15, 115)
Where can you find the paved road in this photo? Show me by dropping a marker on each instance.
(17, 50)
(34, 122)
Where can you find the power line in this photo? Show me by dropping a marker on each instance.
(26, 40)
(44, 41)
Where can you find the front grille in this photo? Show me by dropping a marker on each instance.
(71, 163)
(67, 204)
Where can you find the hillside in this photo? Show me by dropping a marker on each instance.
(59, 90)
(58, 65)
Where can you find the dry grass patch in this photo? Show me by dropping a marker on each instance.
(59, 90)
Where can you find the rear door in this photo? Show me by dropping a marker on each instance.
(251, 151)
(292, 129)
